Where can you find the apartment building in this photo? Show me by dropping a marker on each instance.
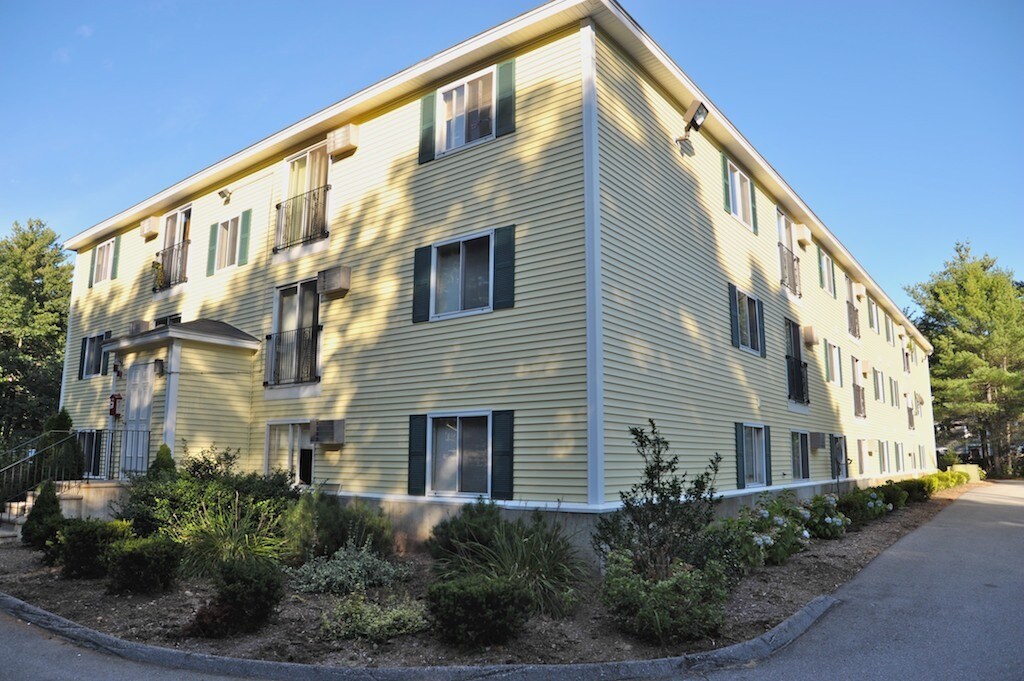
(471, 278)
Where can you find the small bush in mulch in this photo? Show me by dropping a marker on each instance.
(350, 569)
(163, 465)
(81, 546)
(143, 565)
(356, 617)
(476, 609)
(916, 489)
(320, 524)
(893, 494)
(45, 518)
(862, 506)
(826, 520)
(247, 593)
(475, 523)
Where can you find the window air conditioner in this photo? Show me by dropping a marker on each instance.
(137, 327)
(343, 140)
(335, 282)
(149, 228)
(327, 431)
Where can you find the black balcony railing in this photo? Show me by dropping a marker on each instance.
(169, 268)
(302, 219)
(292, 357)
(853, 319)
(790, 265)
(860, 404)
(796, 374)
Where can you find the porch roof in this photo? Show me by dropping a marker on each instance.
(210, 331)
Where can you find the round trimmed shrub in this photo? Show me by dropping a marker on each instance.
(247, 593)
(893, 494)
(81, 546)
(45, 518)
(146, 565)
(476, 609)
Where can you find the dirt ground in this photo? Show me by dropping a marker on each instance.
(764, 598)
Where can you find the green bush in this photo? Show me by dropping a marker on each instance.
(536, 554)
(476, 609)
(355, 617)
(143, 565)
(917, 490)
(226, 531)
(861, 506)
(247, 593)
(474, 523)
(687, 605)
(45, 518)
(350, 569)
(771, 531)
(163, 465)
(893, 494)
(319, 525)
(826, 521)
(81, 546)
(730, 544)
(947, 459)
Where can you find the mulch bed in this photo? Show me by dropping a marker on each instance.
(764, 598)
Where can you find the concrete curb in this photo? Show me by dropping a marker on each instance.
(736, 654)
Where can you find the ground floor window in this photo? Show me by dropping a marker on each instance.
(862, 446)
(801, 446)
(753, 455)
(91, 442)
(459, 455)
(289, 448)
(883, 456)
(840, 464)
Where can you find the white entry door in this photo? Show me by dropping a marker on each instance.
(138, 403)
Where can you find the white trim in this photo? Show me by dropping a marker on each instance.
(592, 232)
(798, 431)
(96, 262)
(764, 458)
(173, 371)
(434, 316)
(758, 322)
(292, 392)
(731, 166)
(300, 251)
(439, 120)
(798, 407)
(429, 491)
(174, 331)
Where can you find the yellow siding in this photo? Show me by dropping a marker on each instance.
(669, 250)
(215, 402)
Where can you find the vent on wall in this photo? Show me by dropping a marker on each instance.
(327, 431)
(335, 282)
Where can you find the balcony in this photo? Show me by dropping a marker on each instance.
(169, 267)
(302, 219)
(860, 401)
(796, 376)
(853, 319)
(910, 418)
(790, 266)
(292, 357)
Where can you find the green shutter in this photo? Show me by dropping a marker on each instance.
(504, 267)
(734, 316)
(418, 455)
(834, 291)
(767, 455)
(106, 357)
(117, 256)
(81, 359)
(502, 445)
(832, 455)
(421, 284)
(506, 109)
(871, 316)
(427, 127)
(760, 327)
(821, 269)
(741, 475)
(828, 361)
(243, 238)
(753, 206)
(725, 183)
(839, 359)
(211, 253)
(92, 265)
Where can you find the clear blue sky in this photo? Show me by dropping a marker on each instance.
(900, 123)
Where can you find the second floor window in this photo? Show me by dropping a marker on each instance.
(833, 364)
(227, 243)
(103, 266)
(740, 194)
(462, 276)
(93, 358)
(873, 315)
(826, 272)
(879, 381)
(894, 392)
(466, 111)
(293, 350)
(302, 216)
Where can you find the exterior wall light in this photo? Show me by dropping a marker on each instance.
(225, 194)
(695, 117)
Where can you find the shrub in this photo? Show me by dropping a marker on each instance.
(536, 554)
(861, 507)
(826, 521)
(210, 463)
(319, 525)
(476, 609)
(350, 569)
(227, 532)
(355, 617)
(893, 494)
(247, 592)
(163, 465)
(686, 605)
(947, 459)
(917, 490)
(662, 517)
(474, 523)
(773, 530)
(144, 565)
(44, 519)
(81, 546)
(730, 543)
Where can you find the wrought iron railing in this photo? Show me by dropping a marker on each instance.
(55, 457)
(293, 357)
(302, 219)
(169, 267)
(790, 265)
(853, 319)
(860, 405)
(796, 375)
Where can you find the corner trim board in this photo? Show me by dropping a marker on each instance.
(171, 393)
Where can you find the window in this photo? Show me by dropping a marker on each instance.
(741, 192)
(459, 455)
(166, 321)
(227, 243)
(293, 350)
(103, 265)
(833, 364)
(749, 321)
(879, 380)
(462, 276)
(826, 272)
(859, 397)
(754, 456)
(852, 311)
(840, 462)
(91, 442)
(801, 446)
(789, 264)
(92, 360)
(289, 448)
(796, 368)
(862, 447)
(906, 360)
(894, 392)
(465, 110)
(873, 315)
(302, 216)
(920, 457)
(898, 457)
(918, 405)
(172, 260)
(890, 330)
(884, 465)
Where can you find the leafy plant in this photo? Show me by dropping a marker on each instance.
(350, 569)
(143, 565)
(356, 617)
(893, 494)
(81, 546)
(211, 462)
(163, 465)
(861, 507)
(319, 525)
(474, 523)
(45, 518)
(247, 593)
(776, 529)
(916, 489)
(477, 609)
(825, 521)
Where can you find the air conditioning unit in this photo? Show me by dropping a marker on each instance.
(901, 331)
(137, 327)
(865, 367)
(343, 140)
(802, 234)
(327, 431)
(149, 228)
(818, 440)
(859, 291)
(335, 282)
(810, 335)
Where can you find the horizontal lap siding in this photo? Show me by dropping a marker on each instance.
(215, 402)
(669, 250)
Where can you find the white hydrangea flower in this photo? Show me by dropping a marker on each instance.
(807, 535)
(828, 520)
(764, 513)
(889, 506)
(779, 521)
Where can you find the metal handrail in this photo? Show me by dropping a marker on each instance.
(169, 266)
(796, 377)
(790, 265)
(302, 219)
(36, 453)
(292, 356)
(853, 319)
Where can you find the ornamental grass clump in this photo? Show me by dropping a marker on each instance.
(224, 531)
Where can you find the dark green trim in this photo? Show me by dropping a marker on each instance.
(116, 258)
(92, 265)
(741, 475)
(502, 447)
(725, 183)
(211, 251)
(767, 455)
(421, 284)
(418, 454)
(427, 112)
(734, 316)
(243, 237)
(504, 268)
(506, 105)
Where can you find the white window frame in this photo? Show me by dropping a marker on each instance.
(754, 332)
(894, 392)
(430, 451)
(873, 315)
(103, 269)
(804, 438)
(828, 269)
(762, 482)
(878, 378)
(90, 341)
(862, 448)
(294, 450)
(736, 179)
(835, 356)
(275, 328)
(884, 463)
(439, 113)
(179, 236)
(898, 456)
(223, 230)
(434, 316)
(890, 330)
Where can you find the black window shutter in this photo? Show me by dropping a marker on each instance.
(81, 359)
(760, 326)
(741, 474)
(767, 455)
(805, 457)
(427, 127)
(106, 356)
(502, 426)
(506, 110)
(421, 284)
(734, 316)
(418, 454)
(504, 267)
